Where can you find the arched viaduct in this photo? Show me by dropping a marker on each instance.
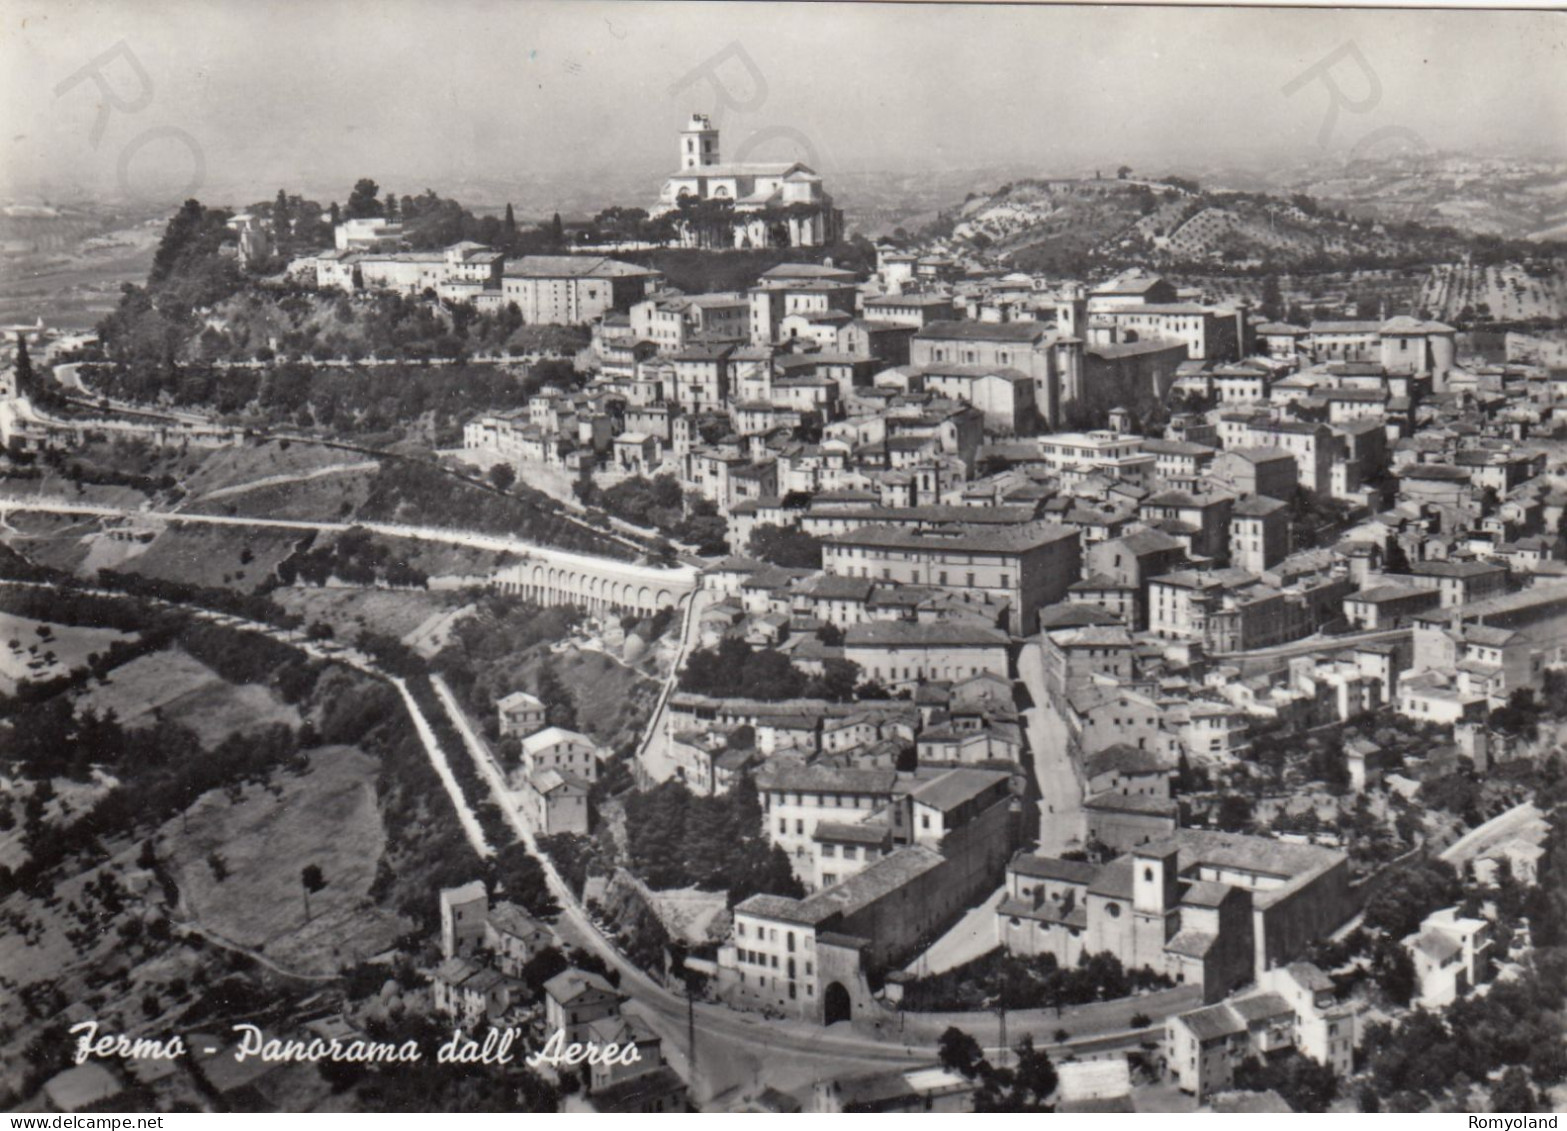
(597, 584)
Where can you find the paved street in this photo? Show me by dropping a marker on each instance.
(1503, 827)
(653, 763)
(971, 936)
(1061, 826)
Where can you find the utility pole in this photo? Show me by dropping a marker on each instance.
(691, 1032)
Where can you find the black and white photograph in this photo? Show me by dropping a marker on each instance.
(765, 556)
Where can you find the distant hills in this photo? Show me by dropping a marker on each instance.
(1174, 223)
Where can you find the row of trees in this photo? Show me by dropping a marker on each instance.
(999, 978)
(431, 221)
(675, 839)
(734, 670)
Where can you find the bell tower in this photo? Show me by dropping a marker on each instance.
(698, 143)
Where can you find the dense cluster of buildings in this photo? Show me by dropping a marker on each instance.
(1179, 525)
(1174, 525)
(1337, 520)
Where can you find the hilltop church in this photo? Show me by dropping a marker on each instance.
(776, 204)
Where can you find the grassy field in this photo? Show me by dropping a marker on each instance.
(69, 645)
(70, 799)
(148, 683)
(434, 633)
(326, 816)
(350, 611)
(328, 499)
(214, 555)
(613, 701)
(233, 467)
(187, 691)
(440, 560)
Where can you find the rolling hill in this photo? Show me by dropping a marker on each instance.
(1078, 224)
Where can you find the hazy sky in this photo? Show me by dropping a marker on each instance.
(434, 92)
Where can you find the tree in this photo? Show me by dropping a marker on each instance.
(960, 1052)
(1304, 1084)
(733, 669)
(502, 475)
(1272, 303)
(282, 218)
(542, 967)
(1394, 971)
(1422, 886)
(363, 202)
(389, 208)
(557, 231)
(1234, 813)
(1123, 172)
(509, 225)
(1512, 1094)
(24, 368)
(837, 682)
(1035, 1074)
(560, 705)
(769, 674)
(311, 881)
(1326, 763)
(335, 214)
(785, 546)
(521, 877)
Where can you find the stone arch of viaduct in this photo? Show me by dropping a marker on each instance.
(607, 587)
